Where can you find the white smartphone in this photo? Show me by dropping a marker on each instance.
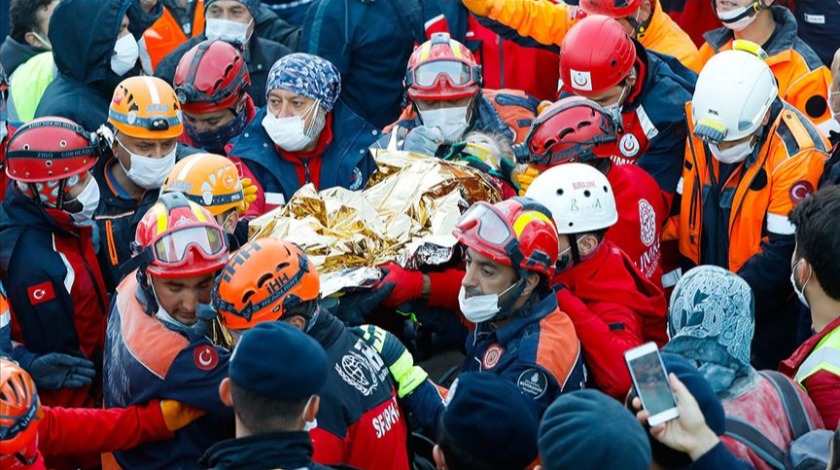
(651, 382)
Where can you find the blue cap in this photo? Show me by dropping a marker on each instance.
(252, 5)
(279, 361)
(306, 75)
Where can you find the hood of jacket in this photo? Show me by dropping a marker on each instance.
(83, 52)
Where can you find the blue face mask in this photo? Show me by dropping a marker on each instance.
(214, 141)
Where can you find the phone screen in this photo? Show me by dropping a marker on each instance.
(652, 383)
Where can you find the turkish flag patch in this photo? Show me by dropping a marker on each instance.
(800, 190)
(40, 293)
(205, 357)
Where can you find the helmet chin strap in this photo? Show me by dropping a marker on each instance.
(752, 9)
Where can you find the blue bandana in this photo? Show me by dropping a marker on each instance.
(306, 75)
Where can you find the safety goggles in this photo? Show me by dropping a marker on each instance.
(487, 223)
(457, 73)
(172, 248)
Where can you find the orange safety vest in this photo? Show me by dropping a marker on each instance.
(166, 34)
(790, 163)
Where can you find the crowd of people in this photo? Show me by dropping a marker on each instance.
(668, 172)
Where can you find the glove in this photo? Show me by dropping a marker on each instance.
(525, 179)
(400, 362)
(479, 7)
(354, 307)
(249, 194)
(407, 285)
(425, 140)
(56, 370)
(177, 415)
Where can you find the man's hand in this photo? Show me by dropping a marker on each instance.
(400, 362)
(687, 433)
(525, 179)
(425, 140)
(56, 370)
(406, 284)
(354, 307)
(177, 415)
(249, 195)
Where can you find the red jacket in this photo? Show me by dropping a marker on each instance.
(823, 387)
(614, 308)
(642, 212)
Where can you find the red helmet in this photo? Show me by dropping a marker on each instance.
(442, 69)
(611, 8)
(210, 77)
(596, 55)
(178, 238)
(19, 410)
(570, 130)
(48, 155)
(517, 232)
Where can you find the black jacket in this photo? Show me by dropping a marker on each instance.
(263, 452)
(82, 52)
(260, 56)
(14, 54)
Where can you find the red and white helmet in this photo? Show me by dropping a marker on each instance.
(211, 76)
(596, 55)
(574, 129)
(442, 69)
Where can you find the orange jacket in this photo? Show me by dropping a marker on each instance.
(789, 165)
(803, 79)
(547, 23)
(166, 34)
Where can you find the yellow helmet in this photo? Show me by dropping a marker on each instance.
(146, 108)
(207, 179)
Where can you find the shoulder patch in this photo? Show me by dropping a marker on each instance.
(205, 357)
(801, 190)
(492, 356)
(533, 382)
(356, 179)
(354, 369)
(40, 293)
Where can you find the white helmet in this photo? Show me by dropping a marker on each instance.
(579, 197)
(733, 93)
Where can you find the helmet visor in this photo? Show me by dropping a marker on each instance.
(172, 247)
(458, 73)
(487, 224)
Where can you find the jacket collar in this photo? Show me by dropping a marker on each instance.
(23, 211)
(780, 41)
(271, 450)
(511, 329)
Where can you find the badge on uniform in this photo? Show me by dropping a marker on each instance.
(533, 382)
(205, 357)
(492, 356)
(40, 293)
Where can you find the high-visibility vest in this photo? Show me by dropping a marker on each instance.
(825, 356)
(166, 34)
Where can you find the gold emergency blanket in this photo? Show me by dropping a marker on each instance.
(411, 203)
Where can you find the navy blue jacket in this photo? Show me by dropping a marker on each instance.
(346, 161)
(819, 26)
(291, 449)
(370, 42)
(83, 36)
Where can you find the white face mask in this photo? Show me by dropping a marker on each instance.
(728, 17)
(452, 122)
(232, 32)
(289, 133)
(480, 308)
(147, 172)
(734, 154)
(801, 292)
(89, 199)
(125, 55)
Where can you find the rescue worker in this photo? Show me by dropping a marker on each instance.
(273, 403)
(613, 306)
(32, 433)
(644, 92)
(803, 80)
(520, 334)
(212, 83)
(30, 23)
(446, 100)
(232, 21)
(183, 19)
(94, 48)
(306, 134)
(548, 23)
(212, 181)
(816, 280)
(146, 120)
(576, 129)
(156, 343)
(47, 259)
(751, 157)
(6, 130)
(814, 25)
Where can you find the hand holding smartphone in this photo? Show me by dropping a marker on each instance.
(651, 382)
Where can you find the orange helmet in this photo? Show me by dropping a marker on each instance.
(442, 69)
(146, 108)
(177, 238)
(19, 408)
(266, 279)
(207, 179)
